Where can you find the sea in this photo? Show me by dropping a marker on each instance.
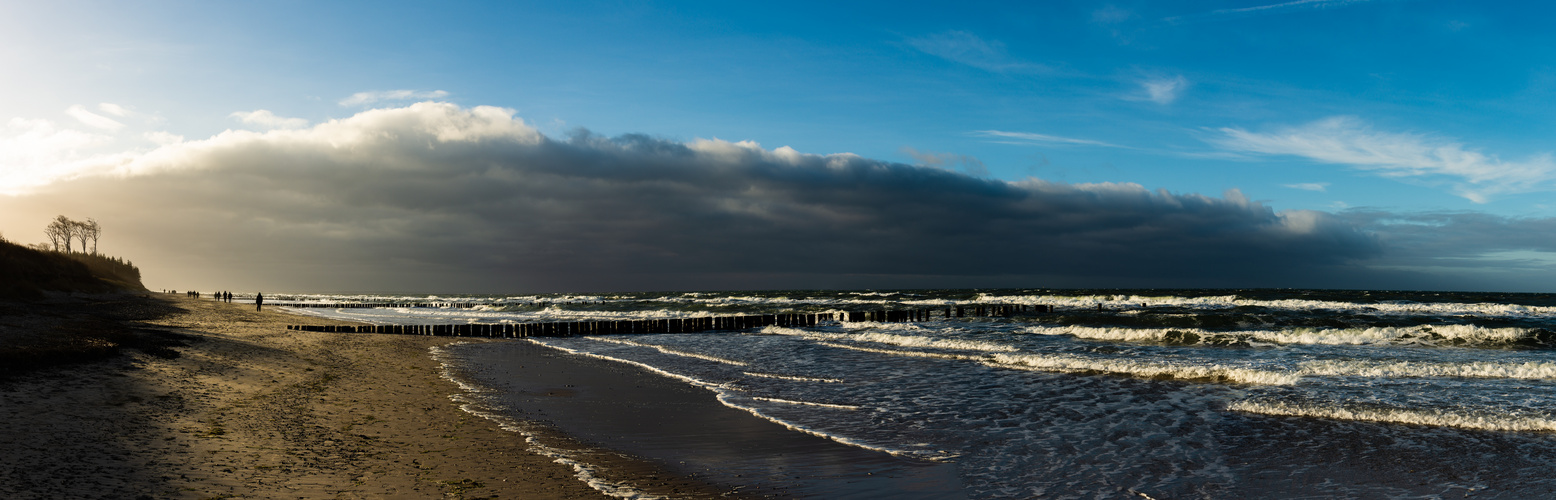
(1155, 394)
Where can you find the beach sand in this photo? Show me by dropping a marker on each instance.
(219, 401)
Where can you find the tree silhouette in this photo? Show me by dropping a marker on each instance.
(64, 232)
(61, 231)
(93, 231)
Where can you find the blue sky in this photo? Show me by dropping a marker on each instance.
(1383, 110)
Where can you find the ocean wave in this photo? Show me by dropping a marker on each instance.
(1078, 364)
(1419, 369)
(1421, 335)
(795, 378)
(1143, 369)
(1222, 302)
(673, 352)
(1411, 416)
(806, 403)
(894, 339)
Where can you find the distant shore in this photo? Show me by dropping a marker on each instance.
(216, 400)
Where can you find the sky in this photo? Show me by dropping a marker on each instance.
(517, 147)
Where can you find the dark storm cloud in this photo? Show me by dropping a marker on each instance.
(433, 196)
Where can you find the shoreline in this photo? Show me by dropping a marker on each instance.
(228, 404)
(625, 406)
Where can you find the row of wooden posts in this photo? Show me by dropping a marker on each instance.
(670, 325)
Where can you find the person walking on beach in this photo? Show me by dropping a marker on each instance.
(259, 301)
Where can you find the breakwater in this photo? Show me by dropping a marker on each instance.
(674, 325)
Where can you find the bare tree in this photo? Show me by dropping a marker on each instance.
(64, 232)
(93, 231)
(60, 232)
(82, 232)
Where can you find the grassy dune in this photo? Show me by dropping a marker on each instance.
(37, 331)
(26, 273)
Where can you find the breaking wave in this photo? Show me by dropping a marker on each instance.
(1410, 416)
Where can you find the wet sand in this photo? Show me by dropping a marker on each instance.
(229, 404)
(629, 408)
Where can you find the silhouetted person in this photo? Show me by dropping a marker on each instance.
(259, 301)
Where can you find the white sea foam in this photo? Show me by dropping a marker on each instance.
(783, 330)
(806, 403)
(896, 352)
(1233, 301)
(898, 340)
(795, 378)
(1440, 418)
(1477, 369)
(1139, 368)
(1410, 335)
(670, 351)
(1078, 364)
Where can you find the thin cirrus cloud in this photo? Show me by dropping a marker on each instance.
(1162, 90)
(475, 198)
(93, 120)
(966, 48)
(113, 109)
(1348, 141)
(267, 119)
(1034, 138)
(1310, 186)
(1274, 8)
(365, 98)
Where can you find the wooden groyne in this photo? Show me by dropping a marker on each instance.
(670, 325)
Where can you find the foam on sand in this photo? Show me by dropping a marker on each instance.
(472, 402)
(731, 398)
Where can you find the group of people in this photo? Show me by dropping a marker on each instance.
(259, 298)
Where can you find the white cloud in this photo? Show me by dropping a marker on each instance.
(1163, 90)
(113, 109)
(362, 98)
(265, 118)
(967, 48)
(36, 152)
(93, 119)
(1028, 137)
(163, 138)
(1347, 141)
(1310, 186)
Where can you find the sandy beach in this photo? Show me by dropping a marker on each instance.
(218, 401)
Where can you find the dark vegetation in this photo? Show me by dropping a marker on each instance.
(56, 308)
(25, 273)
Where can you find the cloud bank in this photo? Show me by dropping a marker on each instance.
(433, 196)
